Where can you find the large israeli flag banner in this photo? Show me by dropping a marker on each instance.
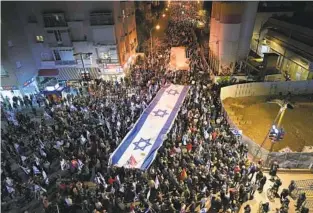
(139, 147)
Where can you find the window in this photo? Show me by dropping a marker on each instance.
(101, 18)
(56, 55)
(57, 35)
(39, 39)
(18, 64)
(54, 20)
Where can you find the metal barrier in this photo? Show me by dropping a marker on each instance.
(304, 186)
(309, 203)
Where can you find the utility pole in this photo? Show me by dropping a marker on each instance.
(84, 72)
(284, 104)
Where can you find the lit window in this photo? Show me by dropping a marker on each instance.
(39, 39)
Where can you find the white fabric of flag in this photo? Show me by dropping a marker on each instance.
(10, 189)
(45, 177)
(156, 182)
(148, 195)
(80, 164)
(139, 147)
(36, 170)
(26, 170)
(63, 164)
(46, 115)
(23, 158)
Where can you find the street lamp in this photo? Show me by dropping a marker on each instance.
(284, 104)
(157, 27)
(81, 58)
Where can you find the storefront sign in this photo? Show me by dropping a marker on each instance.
(112, 66)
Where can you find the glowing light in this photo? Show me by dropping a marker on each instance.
(182, 12)
(157, 27)
(163, 15)
(166, 9)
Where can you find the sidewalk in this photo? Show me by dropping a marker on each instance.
(262, 197)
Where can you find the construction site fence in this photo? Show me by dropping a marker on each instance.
(303, 160)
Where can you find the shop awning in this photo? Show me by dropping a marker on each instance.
(66, 74)
(94, 73)
(48, 72)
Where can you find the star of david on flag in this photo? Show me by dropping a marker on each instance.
(160, 113)
(172, 92)
(142, 144)
(139, 147)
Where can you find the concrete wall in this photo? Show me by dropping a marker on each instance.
(267, 88)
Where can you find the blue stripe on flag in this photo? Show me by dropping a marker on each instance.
(132, 134)
(167, 126)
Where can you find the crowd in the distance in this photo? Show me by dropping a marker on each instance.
(63, 158)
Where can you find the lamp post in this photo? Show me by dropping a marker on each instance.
(151, 40)
(284, 104)
(81, 58)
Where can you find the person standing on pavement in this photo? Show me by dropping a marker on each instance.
(262, 183)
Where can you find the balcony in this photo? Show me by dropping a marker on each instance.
(107, 61)
(65, 63)
(54, 20)
(60, 45)
(87, 63)
(101, 19)
(104, 43)
(56, 64)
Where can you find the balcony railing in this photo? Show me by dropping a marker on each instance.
(107, 61)
(99, 22)
(57, 63)
(53, 64)
(101, 18)
(104, 43)
(60, 44)
(54, 20)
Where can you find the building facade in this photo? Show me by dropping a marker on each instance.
(62, 39)
(231, 30)
(291, 39)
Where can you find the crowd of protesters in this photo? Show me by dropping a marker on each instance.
(63, 158)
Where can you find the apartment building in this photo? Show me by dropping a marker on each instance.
(60, 40)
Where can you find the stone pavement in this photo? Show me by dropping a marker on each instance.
(262, 197)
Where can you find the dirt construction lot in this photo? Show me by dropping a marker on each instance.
(254, 116)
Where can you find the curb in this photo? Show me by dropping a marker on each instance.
(283, 170)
